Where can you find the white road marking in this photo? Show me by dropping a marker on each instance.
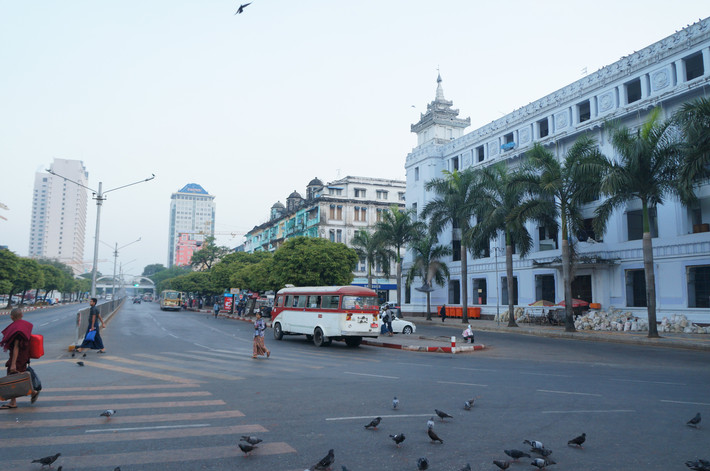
(50, 322)
(133, 429)
(587, 411)
(546, 374)
(366, 374)
(569, 392)
(462, 384)
(652, 382)
(383, 416)
(474, 369)
(683, 402)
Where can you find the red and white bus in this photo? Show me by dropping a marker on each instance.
(326, 313)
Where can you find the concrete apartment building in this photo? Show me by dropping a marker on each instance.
(665, 74)
(58, 220)
(192, 213)
(334, 211)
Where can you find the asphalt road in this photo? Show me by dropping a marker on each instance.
(186, 388)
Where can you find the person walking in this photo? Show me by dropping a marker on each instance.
(442, 312)
(94, 319)
(16, 340)
(215, 306)
(259, 347)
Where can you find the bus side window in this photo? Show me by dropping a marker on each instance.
(290, 302)
(280, 301)
(330, 302)
(301, 301)
(313, 301)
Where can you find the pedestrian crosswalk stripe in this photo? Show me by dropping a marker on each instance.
(121, 387)
(126, 406)
(85, 438)
(130, 419)
(127, 396)
(146, 374)
(156, 456)
(160, 366)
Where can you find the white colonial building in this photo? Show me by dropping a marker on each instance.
(58, 221)
(334, 211)
(665, 74)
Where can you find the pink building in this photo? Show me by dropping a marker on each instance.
(185, 247)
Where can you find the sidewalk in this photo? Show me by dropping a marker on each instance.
(442, 344)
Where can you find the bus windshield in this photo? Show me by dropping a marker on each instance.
(360, 302)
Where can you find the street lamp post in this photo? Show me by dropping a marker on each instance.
(115, 257)
(99, 196)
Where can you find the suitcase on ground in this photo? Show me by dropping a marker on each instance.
(15, 385)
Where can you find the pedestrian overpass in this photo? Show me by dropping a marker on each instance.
(126, 284)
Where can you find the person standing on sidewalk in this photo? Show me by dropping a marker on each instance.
(442, 312)
(215, 306)
(259, 347)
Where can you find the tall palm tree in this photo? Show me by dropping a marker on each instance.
(694, 121)
(370, 248)
(397, 228)
(428, 266)
(570, 184)
(503, 205)
(646, 169)
(453, 204)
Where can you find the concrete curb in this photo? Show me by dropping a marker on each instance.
(424, 348)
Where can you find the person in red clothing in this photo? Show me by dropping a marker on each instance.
(16, 340)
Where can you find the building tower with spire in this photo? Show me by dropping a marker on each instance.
(440, 122)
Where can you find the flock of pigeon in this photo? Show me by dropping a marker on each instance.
(541, 462)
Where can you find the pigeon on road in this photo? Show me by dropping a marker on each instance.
(326, 462)
(442, 415)
(466, 468)
(398, 438)
(502, 464)
(241, 8)
(577, 441)
(698, 465)
(250, 440)
(516, 454)
(246, 448)
(80, 363)
(433, 436)
(468, 404)
(47, 460)
(695, 421)
(395, 403)
(430, 423)
(422, 464)
(541, 463)
(108, 413)
(538, 447)
(374, 423)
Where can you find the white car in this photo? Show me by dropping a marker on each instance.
(400, 326)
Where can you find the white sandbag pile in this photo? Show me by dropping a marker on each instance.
(615, 320)
(520, 315)
(680, 323)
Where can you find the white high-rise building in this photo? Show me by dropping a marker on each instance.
(191, 212)
(58, 225)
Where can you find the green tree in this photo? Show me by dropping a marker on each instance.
(27, 277)
(307, 261)
(428, 266)
(645, 170)
(570, 184)
(452, 206)
(503, 205)
(196, 282)
(223, 272)
(9, 264)
(693, 119)
(396, 229)
(257, 277)
(209, 254)
(160, 277)
(53, 279)
(371, 249)
(152, 269)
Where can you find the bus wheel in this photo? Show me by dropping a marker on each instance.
(318, 338)
(353, 341)
(278, 333)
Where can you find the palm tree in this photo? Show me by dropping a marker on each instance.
(427, 265)
(397, 228)
(453, 205)
(646, 170)
(504, 204)
(694, 121)
(570, 184)
(370, 248)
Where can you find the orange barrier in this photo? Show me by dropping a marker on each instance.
(474, 312)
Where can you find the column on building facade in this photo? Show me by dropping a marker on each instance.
(645, 86)
(680, 70)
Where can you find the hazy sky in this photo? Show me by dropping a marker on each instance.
(254, 106)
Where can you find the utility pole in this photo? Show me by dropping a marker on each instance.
(99, 196)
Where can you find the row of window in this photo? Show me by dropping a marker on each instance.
(698, 285)
(362, 193)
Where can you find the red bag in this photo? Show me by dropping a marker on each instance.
(36, 346)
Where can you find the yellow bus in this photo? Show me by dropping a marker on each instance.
(171, 300)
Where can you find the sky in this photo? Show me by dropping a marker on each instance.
(254, 106)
